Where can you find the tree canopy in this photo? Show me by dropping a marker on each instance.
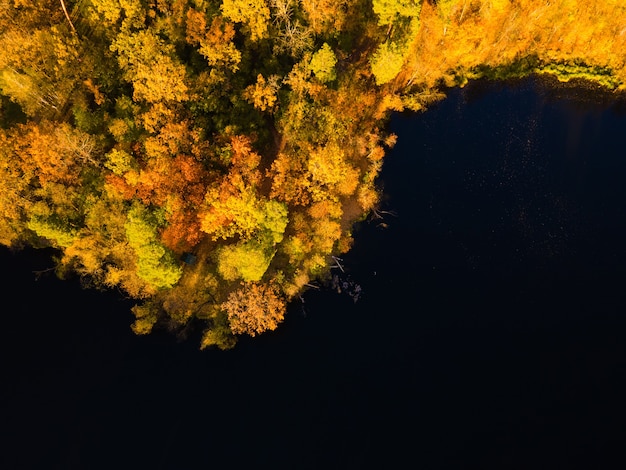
(248, 133)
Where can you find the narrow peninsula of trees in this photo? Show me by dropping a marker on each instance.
(210, 157)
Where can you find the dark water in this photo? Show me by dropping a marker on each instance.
(490, 331)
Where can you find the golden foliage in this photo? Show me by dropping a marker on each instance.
(215, 42)
(496, 33)
(263, 93)
(152, 67)
(329, 169)
(390, 11)
(134, 139)
(247, 261)
(255, 14)
(255, 308)
(146, 316)
(327, 16)
(323, 64)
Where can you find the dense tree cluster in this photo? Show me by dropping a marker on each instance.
(210, 157)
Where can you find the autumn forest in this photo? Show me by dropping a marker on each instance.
(210, 158)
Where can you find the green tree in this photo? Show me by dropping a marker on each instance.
(387, 62)
(155, 263)
(245, 260)
(323, 64)
(45, 225)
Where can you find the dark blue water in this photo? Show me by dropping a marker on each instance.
(490, 331)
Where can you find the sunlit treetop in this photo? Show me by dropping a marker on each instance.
(210, 158)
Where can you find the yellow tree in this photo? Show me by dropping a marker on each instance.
(255, 14)
(151, 65)
(327, 16)
(330, 173)
(123, 14)
(14, 202)
(323, 64)
(39, 65)
(262, 95)
(389, 11)
(245, 260)
(233, 206)
(387, 62)
(215, 41)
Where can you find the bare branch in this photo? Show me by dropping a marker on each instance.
(67, 15)
(338, 265)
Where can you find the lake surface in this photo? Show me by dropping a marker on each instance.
(489, 332)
